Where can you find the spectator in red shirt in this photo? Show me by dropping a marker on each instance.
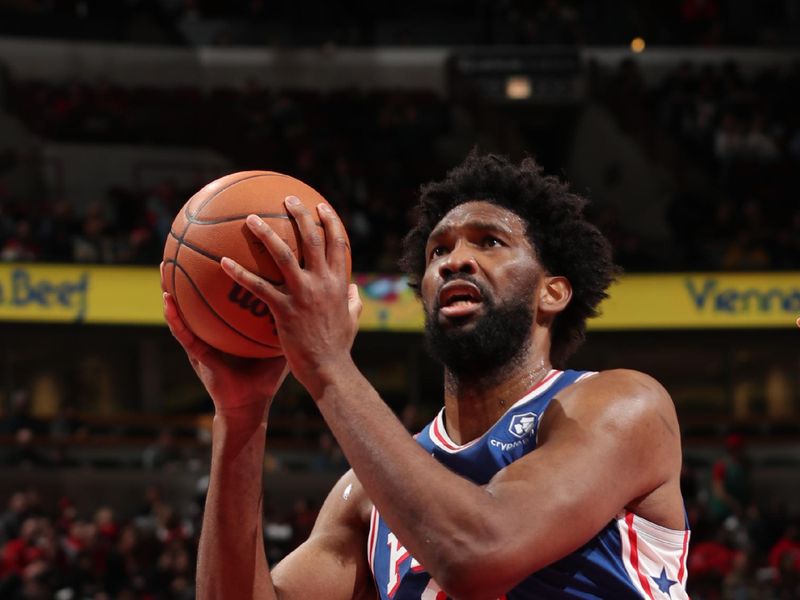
(21, 551)
(785, 554)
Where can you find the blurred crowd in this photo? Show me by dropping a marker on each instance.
(52, 550)
(122, 230)
(742, 547)
(414, 22)
(367, 151)
(69, 439)
(55, 552)
(731, 142)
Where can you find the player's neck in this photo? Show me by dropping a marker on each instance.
(473, 405)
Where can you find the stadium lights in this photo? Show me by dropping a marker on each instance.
(519, 87)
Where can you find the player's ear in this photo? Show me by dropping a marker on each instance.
(555, 294)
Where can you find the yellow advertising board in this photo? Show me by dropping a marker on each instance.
(80, 294)
(702, 300)
(656, 301)
(132, 296)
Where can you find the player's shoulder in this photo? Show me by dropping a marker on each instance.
(624, 385)
(619, 396)
(348, 499)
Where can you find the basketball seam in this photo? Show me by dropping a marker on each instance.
(230, 185)
(175, 262)
(190, 217)
(214, 257)
(231, 218)
(214, 312)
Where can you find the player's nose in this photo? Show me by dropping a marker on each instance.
(460, 260)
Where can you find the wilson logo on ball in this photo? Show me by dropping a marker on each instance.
(246, 301)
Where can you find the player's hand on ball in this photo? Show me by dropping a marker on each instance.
(316, 310)
(236, 385)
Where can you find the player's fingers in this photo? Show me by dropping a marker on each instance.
(311, 242)
(335, 239)
(278, 249)
(174, 321)
(261, 288)
(161, 271)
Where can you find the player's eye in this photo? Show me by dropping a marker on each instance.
(490, 241)
(438, 251)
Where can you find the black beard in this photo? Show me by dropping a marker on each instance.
(495, 340)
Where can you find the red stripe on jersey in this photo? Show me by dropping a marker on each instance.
(682, 572)
(442, 440)
(396, 567)
(373, 533)
(635, 556)
(537, 385)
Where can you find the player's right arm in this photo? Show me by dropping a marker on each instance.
(231, 562)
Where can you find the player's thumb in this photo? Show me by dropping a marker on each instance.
(354, 304)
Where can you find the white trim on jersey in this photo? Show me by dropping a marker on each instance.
(651, 553)
(537, 390)
(438, 433)
(373, 534)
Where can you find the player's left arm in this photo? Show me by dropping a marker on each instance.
(604, 442)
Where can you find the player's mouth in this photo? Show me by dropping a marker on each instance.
(458, 299)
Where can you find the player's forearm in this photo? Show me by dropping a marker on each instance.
(231, 560)
(434, 512)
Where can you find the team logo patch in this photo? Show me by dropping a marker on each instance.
(521, 425)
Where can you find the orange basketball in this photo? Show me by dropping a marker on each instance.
(212, 225)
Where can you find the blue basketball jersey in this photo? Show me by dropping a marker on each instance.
(630, 558)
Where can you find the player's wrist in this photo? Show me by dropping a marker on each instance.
(329, 375)
(242, 412)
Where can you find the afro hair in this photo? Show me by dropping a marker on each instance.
(565, 242)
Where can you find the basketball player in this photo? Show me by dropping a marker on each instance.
(531, 482)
